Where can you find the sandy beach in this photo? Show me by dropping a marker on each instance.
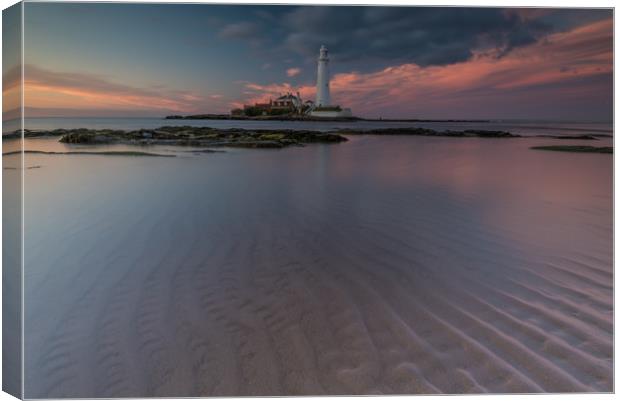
(383, 265)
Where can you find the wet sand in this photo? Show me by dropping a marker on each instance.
(392, 265)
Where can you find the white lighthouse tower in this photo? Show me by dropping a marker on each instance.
(323, 107)
(322, 79)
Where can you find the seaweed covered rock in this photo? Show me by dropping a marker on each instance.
(576, 148)
(200, 137)
(84, 137)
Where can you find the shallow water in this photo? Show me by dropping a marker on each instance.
(521, 127)
(379, 265)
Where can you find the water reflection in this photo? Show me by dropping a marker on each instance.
(388, 252)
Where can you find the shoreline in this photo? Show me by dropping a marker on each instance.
(314, 119)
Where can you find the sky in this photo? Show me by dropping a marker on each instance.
(84, 59)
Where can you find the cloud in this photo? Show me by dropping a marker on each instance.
(574, 66)
(240, 30)
(370, 38)
(424, 36)
(53, 90)
(291, 72)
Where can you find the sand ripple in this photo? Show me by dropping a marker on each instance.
(268, 285)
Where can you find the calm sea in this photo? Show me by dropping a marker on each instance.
(521, 127)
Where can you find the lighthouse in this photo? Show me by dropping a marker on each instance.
(323, 108)
(322, 79)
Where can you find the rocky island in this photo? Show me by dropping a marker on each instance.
(279, 117)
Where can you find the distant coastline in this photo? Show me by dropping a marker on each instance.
(313, 118)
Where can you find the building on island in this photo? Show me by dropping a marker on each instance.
(293, 105)
(287, 103)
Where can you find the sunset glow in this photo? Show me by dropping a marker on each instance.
(561, 71)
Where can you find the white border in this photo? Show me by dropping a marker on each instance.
(479, 3)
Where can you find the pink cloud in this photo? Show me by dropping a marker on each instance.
(559, 60)
(54, 91)
(291, 72)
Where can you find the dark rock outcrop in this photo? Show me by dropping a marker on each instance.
(576, 148)
(432, 132)
(201, 137)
